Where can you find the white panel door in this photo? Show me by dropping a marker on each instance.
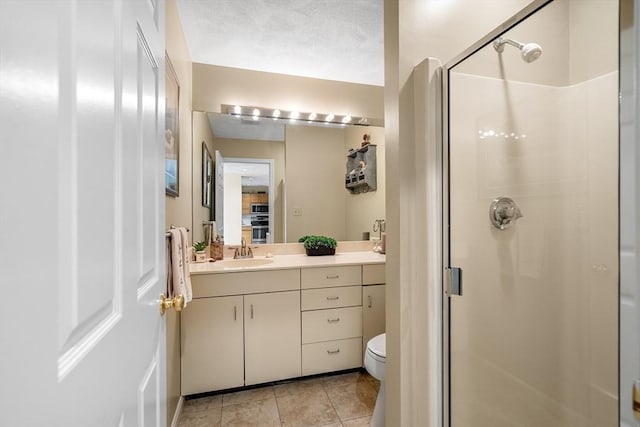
(629, 213)
(82, 114)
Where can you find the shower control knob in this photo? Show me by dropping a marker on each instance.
(503, 212)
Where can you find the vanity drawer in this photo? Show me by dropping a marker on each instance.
(245, 282)
(326, 277)
(331, 356)
(316, 299)
(373, 274)
(332, 324)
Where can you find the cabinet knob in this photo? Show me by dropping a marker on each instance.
(334, 320)
(333, 298)
(336, 351)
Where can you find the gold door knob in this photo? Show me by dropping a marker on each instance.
(176, 302)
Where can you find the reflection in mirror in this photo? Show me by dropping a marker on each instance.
(247, 202)
(315, 201)
(207, 176)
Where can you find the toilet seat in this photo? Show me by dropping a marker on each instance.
(376, 356)
(377, 346)
(375, 359)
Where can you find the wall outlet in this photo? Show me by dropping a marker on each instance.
(297, 211)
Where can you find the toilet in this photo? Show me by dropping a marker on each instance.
(374, 362)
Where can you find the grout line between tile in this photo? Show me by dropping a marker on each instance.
(324, 389)
(277, 406)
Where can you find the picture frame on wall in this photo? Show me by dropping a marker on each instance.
(207, 176)
(171, 132)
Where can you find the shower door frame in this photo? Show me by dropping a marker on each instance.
(516, 19)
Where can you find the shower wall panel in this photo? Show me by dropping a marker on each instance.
(534, 337)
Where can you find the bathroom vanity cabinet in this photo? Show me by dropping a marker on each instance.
(331, 319)
(251, 327)
(236, 340)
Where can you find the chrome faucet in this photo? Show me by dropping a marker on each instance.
(243, 251)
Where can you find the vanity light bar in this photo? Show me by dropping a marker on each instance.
(278, 114)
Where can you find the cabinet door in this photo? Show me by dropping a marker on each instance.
(272, 336)
(246, 203)
(246, 234)
(373, 314)
(212, 344)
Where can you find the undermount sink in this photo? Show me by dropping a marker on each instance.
(243, 262)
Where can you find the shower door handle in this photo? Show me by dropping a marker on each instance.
(453, 281)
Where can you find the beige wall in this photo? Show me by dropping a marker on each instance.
(315, 171)
(364, 208)
(201, 133)
(216, 85)
(414, 30)
(564, 29)
(548, 28)
(261, 150)
(593, 53)
(438, 29)
(316, 165)
(441, 30)
(178, 209)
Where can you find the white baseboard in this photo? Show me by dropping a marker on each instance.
(176, 415)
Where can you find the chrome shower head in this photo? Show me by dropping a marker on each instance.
(530, 51)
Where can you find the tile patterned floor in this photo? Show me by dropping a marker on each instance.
(345, 400)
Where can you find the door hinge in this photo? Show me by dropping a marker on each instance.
(453, 281)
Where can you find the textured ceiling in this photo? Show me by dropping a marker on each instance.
(327, 39)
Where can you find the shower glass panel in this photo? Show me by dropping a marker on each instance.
(533, 340)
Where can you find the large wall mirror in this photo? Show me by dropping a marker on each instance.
(277, 180)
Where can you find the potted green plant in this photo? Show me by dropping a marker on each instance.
(319, 245)
(201, 255)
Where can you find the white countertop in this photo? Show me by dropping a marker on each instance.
(282, 262)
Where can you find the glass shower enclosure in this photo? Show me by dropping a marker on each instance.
(531, 155)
